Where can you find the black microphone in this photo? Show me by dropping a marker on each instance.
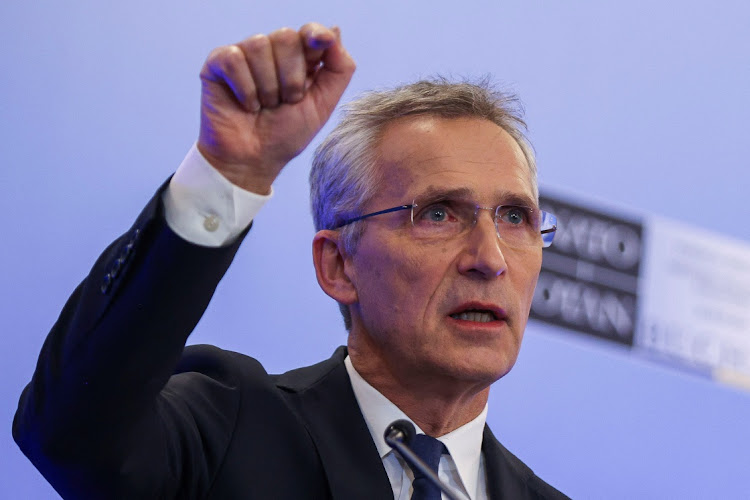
(399, 435)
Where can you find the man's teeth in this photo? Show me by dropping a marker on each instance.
(480, 317)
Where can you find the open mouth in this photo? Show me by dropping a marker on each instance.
(476, 315)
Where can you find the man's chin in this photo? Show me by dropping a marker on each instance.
(479, 372)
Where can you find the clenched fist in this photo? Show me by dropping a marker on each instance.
(265, 98)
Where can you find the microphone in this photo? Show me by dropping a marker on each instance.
(399, 435)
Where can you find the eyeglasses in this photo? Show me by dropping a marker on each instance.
(443, 218)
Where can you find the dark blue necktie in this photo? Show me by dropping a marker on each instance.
(429, 450)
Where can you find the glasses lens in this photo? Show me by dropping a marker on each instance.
(440, 219)
(518, 226)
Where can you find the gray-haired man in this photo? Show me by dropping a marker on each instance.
(429, 238)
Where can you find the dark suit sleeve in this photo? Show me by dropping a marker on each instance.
(96, 418)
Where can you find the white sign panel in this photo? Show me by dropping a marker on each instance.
(694, 299)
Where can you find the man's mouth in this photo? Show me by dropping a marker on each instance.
(479, 316)
(478, 312)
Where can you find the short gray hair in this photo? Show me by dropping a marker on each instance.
(344, 175)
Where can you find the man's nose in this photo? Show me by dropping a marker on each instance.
(482, 255)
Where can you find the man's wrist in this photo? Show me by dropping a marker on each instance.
(256, 180)
(204, 207)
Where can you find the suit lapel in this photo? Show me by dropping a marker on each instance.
(505, 473)
(325, 400)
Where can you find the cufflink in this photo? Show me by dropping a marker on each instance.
(211, 223)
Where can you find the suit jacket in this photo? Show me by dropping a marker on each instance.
(118, 408)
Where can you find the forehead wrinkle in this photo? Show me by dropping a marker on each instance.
(425, 160)
(410, 156)
(407, 162)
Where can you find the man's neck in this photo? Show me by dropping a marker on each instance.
(437, 405)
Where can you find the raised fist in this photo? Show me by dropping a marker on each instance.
(265, 98)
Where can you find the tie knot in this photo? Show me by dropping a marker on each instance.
(429, 450)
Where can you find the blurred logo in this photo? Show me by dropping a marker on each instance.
(589, 277)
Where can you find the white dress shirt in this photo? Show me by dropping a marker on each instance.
(463, 468)
(205, 208)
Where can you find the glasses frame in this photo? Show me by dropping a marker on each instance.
(546, 242)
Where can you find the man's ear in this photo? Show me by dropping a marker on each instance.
(329, 259)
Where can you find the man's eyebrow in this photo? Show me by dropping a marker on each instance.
(510, 198)
(438, 192)
(503, 197)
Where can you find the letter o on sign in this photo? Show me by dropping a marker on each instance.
(546, 296)
(621, 246)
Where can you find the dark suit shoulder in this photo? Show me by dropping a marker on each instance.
(222, 364)
(217, 362)
(300, 379)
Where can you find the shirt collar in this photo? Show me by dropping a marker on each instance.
(464, 443)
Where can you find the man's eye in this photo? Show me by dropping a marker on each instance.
(436, 214)
(514, 215)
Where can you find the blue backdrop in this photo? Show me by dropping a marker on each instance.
(643, 104)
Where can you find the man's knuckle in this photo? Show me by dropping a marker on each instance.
(214, 55)
(234, 58)
(220, 55)
(234, 51)
(258, 43)
(285, 37)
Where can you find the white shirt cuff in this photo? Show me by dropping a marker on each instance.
(204, 207)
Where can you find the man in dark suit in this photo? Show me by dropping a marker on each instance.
(429, 237)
